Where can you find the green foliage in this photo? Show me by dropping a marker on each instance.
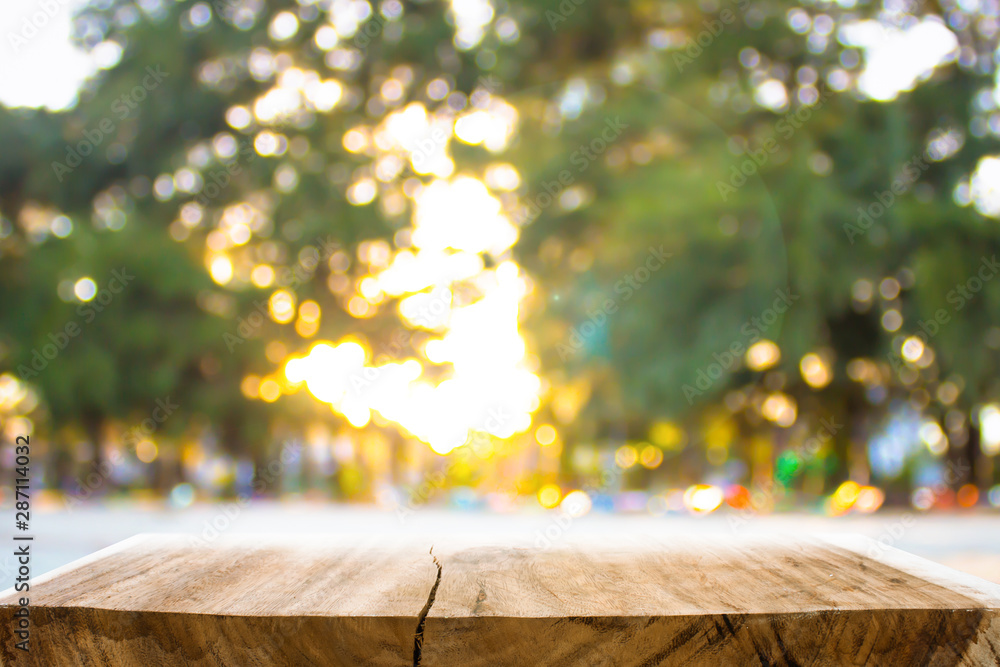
(684, 127)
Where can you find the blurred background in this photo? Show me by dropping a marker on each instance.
(572, 259)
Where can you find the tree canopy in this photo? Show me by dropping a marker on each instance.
(708, 226)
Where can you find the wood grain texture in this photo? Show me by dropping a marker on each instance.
(241, 600)
(269, 600)
(707, 601)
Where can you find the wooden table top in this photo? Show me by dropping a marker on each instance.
(341, 600)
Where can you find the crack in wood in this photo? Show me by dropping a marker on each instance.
(418, 637)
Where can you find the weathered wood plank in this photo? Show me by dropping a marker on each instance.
(711, 601)
(269, 600)
(242, 600)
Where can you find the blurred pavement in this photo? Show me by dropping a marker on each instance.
(967, 541)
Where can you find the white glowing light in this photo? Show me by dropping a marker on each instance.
(347, 15)
(85, 289)
(415, 272)
(771, 94)
(439, 276)
(221, 269)
(932, 436)
(896, 59)
(492, 128)
(419, 136)
(471, 18)
(490, 388)
(986, 186)
(283, 26)
(462, 215)
(324, 95)
(989, 430)
(238, 117)
(362, 192)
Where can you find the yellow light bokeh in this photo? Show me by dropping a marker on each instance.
(281, 306)
(221, 269)
(250, 386)
(651, 457)
(355, 141)
(667, 435)
(309, 311)
(305, 328)
(262, 276)
(703, 498)
(549, 496)
(146, 451)
(762, 355)
(989, 429)
(450, 272)
(626, 456)
(545, 434)
(270, 390)
(576, 503)
(869, 499)
(846, 494)
(815, 371)
(780, 409)
(359, 307)
(913, 349)
(275, 351)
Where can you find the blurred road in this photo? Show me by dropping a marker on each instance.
(967, 541)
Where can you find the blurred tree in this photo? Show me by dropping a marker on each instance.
(743, 153)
